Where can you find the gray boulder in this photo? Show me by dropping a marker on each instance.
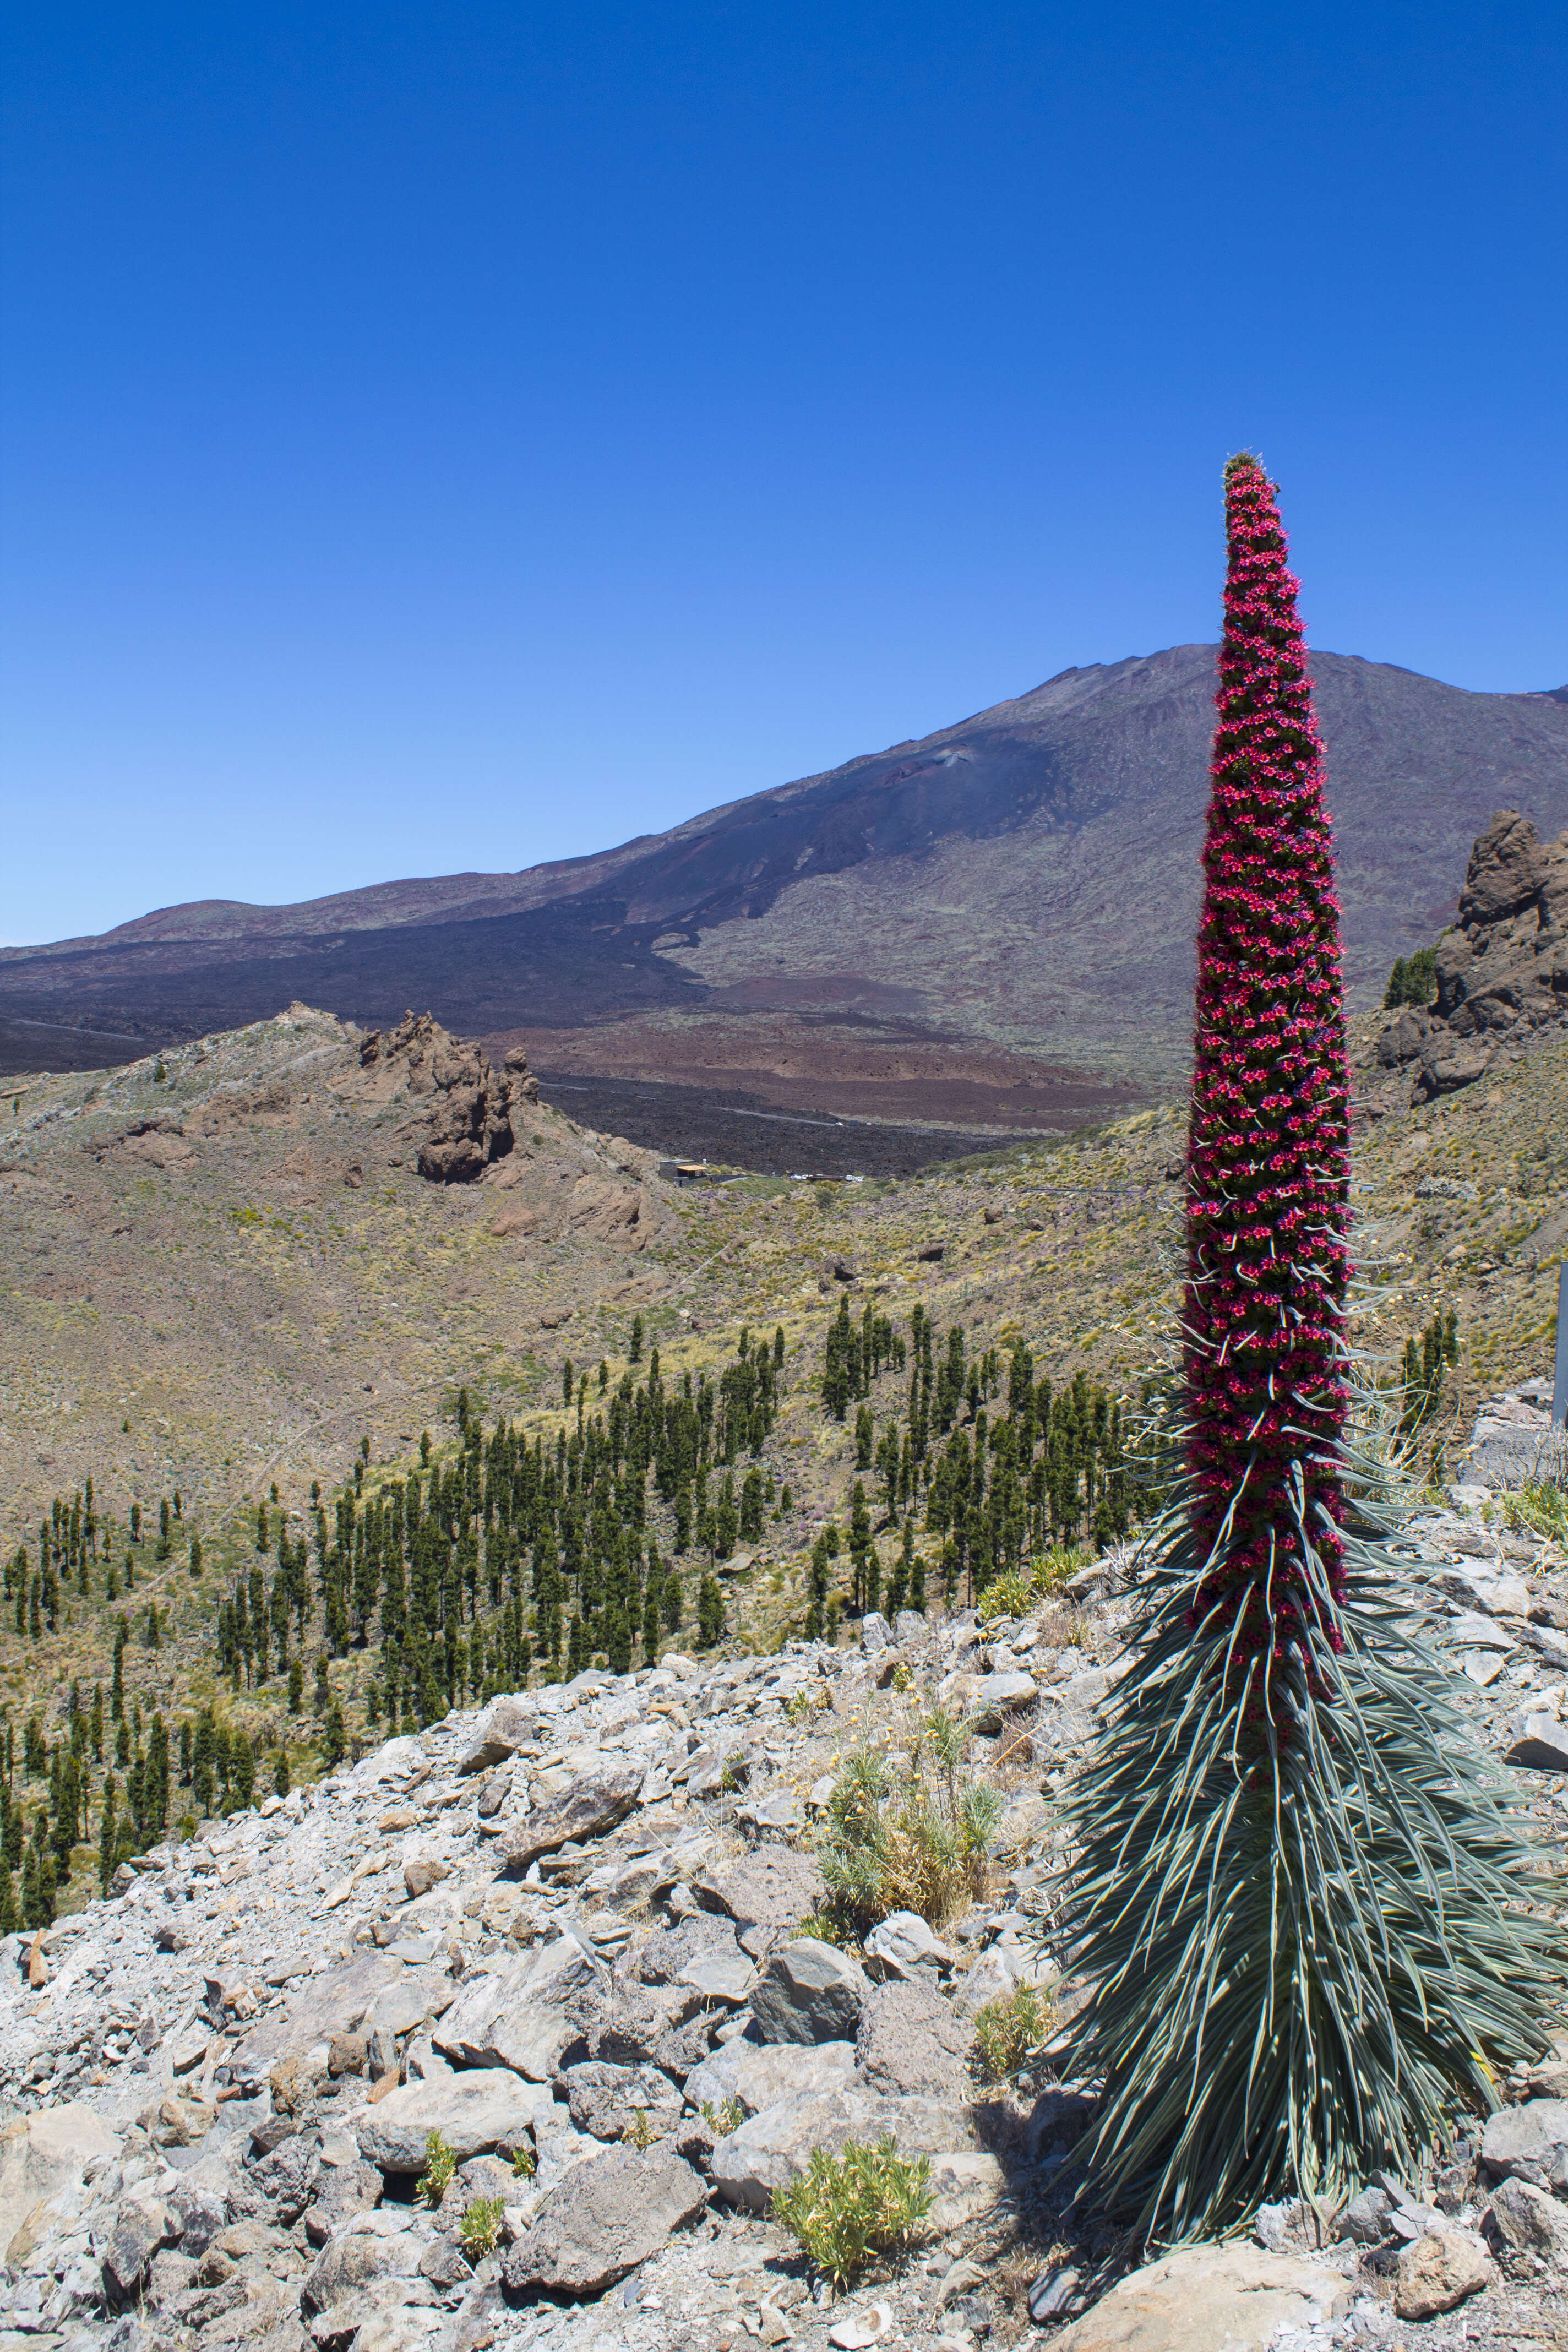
(767, 1893)
(910, 2045)
(473, 2112)
(199, 2212)
(1541, 1741)
(1532, 2221)
(586, 1810)
(772, 2147)
(374, 2248)
(1207, 2295)
(996, 1697)
(630, 2030)
(759, 2075)
(142, 2225)
(524, 2015)
(722, 1976)
(332, 2003)
(903, 1946)
(606, 2099)
(1528, 2143)
(1366, 2217)
(287, 2178)
(346, 2192)
(810, 1993)
(499, 1732)
(605, 2216)
(686, 2046)
(667, 1954)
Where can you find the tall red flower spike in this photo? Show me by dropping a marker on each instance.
(1268, 1146)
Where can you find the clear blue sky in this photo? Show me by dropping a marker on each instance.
(449, 437)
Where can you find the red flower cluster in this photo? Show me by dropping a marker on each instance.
(1268, 1159)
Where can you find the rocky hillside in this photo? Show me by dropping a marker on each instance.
(510, 2033)
(244, 1287)
(1020, 890)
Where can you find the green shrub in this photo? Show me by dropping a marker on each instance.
(440, 2164)
(910, 1832)
(524, 2163)
(638, 2133)
(480, 2226)
(845, 2209)
(1011, 2031)
(1015, 1594)
(728, 2117)
(1412, 981)
(1538, 1509)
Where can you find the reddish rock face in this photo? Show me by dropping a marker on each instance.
(471, 1103)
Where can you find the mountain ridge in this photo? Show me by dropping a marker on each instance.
(1024, 879)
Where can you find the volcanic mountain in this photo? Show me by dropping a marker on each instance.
(978, 926)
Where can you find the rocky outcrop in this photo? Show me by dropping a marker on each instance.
(471, 1104)
(1503, 970)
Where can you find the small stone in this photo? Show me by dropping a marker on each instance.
(959, 2279)
(854, 2335)
(346, 2055)
(1439, 2270)
(421, 1872)
(1055, 2294)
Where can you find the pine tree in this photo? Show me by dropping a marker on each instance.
(709, 1613)
(1299, 1885)
(108, 1835)
(860, 1548)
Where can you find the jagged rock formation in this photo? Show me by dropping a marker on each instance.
(1503, 970)
(471, 1104)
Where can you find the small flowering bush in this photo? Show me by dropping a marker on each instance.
(846, 2209)
(1302, 1894)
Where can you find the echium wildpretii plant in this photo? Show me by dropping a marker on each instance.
(1302, 1894)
